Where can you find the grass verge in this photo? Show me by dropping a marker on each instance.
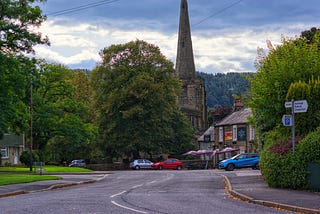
(6, 179)
(24, 169)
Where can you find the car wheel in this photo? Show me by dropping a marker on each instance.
(256, 166)
(137, 167)
(179, 167)
(230, 167)
(160, 167)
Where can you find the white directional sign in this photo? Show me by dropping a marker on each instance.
(300, 106)
(288, 104)
(287, 120)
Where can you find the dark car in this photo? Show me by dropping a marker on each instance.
(170, 163)
(77, 163)
(240, 161)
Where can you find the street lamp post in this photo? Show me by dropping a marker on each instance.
(30, 146)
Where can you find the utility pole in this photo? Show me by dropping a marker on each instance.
(30, 146)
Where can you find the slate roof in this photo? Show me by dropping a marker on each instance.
(11, 140)
(237, 117)
(209, 131)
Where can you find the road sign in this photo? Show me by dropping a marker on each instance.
(300, 106)
(287, 120)
(288, 104)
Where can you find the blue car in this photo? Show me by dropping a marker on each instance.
(243, 160)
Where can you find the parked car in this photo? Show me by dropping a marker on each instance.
(77, 163)
(170, 163)
(240, 161)
(141, 164)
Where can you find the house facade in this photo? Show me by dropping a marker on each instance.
(234, 131)
(230, 136)
(11, 148)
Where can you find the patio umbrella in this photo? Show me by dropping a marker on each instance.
(227, 149)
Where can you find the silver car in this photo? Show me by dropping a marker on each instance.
(141, 164)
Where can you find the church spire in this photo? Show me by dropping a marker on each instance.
(184, 61)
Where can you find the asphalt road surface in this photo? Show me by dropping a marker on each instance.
(141, 191)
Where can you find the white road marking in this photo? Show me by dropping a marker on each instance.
(136, 186)
(120, 193)
(128, 208)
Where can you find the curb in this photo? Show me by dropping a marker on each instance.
(246, 198)
(12, 194)
(52, 187)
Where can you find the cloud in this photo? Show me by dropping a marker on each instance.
(224, 42)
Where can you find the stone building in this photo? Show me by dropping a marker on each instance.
(192, 101)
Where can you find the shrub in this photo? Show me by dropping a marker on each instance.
(25, 157)
(281, 168)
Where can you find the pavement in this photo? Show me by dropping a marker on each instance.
(241, 185)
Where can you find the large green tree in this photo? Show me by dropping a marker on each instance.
(14, 93)
(295, 60)
(18, 22)
(136, 100)
(62, 125)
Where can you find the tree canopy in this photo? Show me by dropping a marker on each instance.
(136, 100)
(295, 60)
(18, 21)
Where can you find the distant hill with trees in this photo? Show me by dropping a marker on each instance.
(220, 87)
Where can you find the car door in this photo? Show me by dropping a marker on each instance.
(167, 164)
(148, 164)
(240, 161)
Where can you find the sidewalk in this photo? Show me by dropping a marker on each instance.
(69, 179)
(252, 188)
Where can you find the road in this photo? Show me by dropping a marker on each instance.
(143, 191)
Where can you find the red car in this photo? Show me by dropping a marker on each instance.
(170, 163)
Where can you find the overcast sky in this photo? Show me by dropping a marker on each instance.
(225, 33)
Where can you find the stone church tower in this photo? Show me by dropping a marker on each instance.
(192, 101)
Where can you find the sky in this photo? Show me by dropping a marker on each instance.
(225, 33)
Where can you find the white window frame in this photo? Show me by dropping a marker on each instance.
(5, 151)
(221, 134)
(234, 133)
(251, 132)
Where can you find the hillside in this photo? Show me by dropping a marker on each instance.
(220, 87)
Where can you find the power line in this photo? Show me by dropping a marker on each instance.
(217, 13)
(81, 7)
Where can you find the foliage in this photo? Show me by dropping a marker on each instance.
(62, 127)
(288, 170)
(25, 157)
(309, 91)
(18, 22)
(308, 150)
(294, 60)
(220, 87)
(14, 100)
(282, 148)
(136, 101)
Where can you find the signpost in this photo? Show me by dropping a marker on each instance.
(298, 106)
(287, 120)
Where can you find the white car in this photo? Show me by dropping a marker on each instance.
(141, 164)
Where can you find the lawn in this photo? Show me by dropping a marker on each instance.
(46, 169)
(6, 179)
(22, 174)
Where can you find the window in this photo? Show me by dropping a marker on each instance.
(220, 134)
(234, 133)
(4, 152)
(251, 135)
